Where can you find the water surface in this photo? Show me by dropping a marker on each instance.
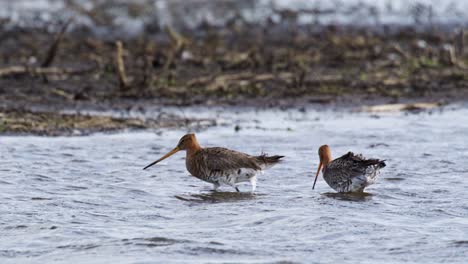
(87, 199)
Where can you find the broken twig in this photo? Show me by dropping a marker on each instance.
(55, 45)
(178, 42)
(123, 81)
(22, 70)
(400, 107)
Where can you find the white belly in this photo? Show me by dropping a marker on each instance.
(359, 183)
(236, 176)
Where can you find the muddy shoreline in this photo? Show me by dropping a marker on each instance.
(43, 74)
(47, 123)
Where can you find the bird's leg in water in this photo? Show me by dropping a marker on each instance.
(253, 182)
(233, 185)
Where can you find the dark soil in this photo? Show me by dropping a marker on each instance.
(59, 124)
(215, 66)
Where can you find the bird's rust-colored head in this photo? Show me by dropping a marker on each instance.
(187, 142)
(325, 158)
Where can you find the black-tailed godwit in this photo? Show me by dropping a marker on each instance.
(220, 165)
(348, 173)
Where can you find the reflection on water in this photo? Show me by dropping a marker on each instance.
(354, 197)
(153, 241)
(217, 197)
(87, 200)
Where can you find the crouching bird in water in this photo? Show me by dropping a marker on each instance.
(348, 173)
(220, 165)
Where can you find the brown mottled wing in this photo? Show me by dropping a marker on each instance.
(226, 159)
(343, 169)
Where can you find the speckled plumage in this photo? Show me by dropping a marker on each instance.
(224, 166)
(350, 172)
(221, 166)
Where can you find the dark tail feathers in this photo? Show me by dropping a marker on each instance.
(382, 164)
(371, 162)
(269, 160)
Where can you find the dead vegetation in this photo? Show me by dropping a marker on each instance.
(59, 124)
(237, 63)
(233, 66)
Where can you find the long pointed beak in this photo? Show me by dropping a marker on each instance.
(172, 152)
(316, 175)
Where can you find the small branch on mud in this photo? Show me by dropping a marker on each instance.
(300, 76)
(52, 52)
(123, 80)
(177, 39)
(399, 50)
(22, 70)
(460, 43)
(214, 82)
(449, 55)
(147, 58)
(400, 107)
(178, 42)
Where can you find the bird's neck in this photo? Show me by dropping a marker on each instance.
(326, 160)
(193, 148)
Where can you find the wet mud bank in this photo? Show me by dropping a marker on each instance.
(239, 64)
(20, 122)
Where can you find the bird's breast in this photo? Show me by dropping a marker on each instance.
(195, 168)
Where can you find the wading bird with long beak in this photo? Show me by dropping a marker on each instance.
(348, 173)
(220, 165)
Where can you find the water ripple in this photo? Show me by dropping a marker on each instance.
(86, 199)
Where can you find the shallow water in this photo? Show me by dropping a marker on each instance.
(87, 199)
